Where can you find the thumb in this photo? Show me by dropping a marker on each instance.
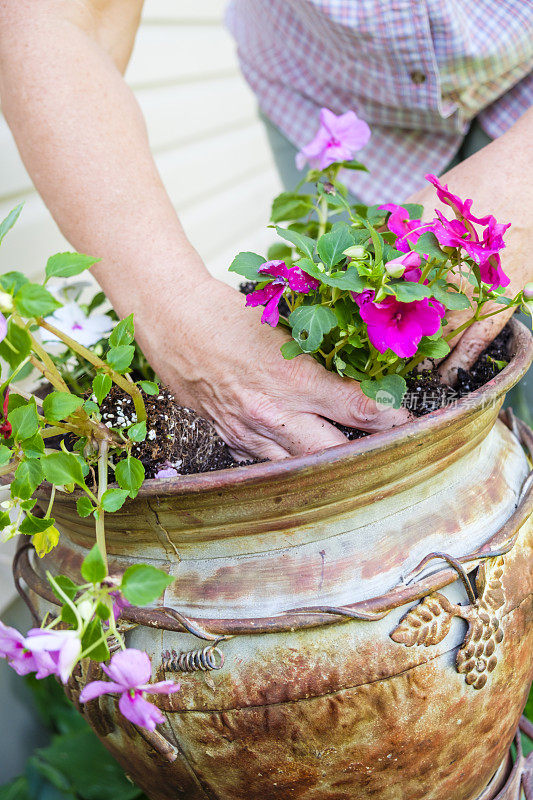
(471, 344)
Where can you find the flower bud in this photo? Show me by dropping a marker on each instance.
(395, 267)
(85, 609)
(356, 251)
(6, 302)
(528, 291)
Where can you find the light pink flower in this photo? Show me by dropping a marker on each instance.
(13, 648)
(400, 326)
(166, 472)
(284, 277)
(55, 652)
(337, 139)
(129, 671)
(119, 602)
(3, 327)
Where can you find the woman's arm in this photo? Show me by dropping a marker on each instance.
(83, 140)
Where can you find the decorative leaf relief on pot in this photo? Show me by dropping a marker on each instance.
(429, 623)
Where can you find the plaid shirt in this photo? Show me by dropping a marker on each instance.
(418, 71)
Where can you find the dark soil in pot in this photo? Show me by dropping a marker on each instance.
(178, 437)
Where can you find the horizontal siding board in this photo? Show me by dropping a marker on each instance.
(177, 114)
(199, 170)
(166, 54)
(179, 11)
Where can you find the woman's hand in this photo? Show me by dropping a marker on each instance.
(217, 358)
(498, 178)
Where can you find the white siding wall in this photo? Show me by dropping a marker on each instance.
(208, 142)
(204, 131)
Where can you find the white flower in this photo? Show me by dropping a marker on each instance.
(71, 319)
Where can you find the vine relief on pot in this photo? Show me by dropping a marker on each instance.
(430, 621)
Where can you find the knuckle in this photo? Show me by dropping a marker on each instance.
(363, 408)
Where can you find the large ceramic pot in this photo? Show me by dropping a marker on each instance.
(360, 619)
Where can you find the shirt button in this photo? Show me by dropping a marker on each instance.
(417, 77)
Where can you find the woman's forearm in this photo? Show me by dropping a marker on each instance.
(83, 140)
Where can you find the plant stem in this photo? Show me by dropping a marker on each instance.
(322, 212)
(127, 386)
(51, 503)
(102, 486)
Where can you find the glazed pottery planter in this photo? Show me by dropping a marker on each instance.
(328, 657)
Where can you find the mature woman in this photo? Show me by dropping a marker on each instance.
(419, 73)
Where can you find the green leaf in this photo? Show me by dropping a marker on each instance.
(45, 541)
(247, 264)
(310, 324)
(279, 252)
(289, 205)
(62, 468)
(31, 524)
(415, 210)
(137, 432)
(91, 407)
(113, 499)
(448, 295)
(353, 164)
(123, 332)
(33, 447)
(428, 245)
(16, 346)
(84, 506)
(387, 391)
(67, 586)
(408, 291)
(93, 567)
(290, 350)
(130, 474)
(102, 611)
(65, 265)
(60, 405)
(149, 387)
(302, 243)
(33, 300)
(101, 386)
(12, 281)
(143, 584)
(5, 455)
(119, 358)
(348, 279)
(93, 633)
(10, 220)
(433, 348)
(24, 421)
(331, 246)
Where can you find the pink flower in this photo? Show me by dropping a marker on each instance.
(403, 265)
(407, 230)
(119, 602)
(166, 472)
(363, 297)
(461, 208)
(337, 139)
(5, 427)
(55, 652)
(292, 277)
(492, 273)
(129, 671)
(13, 648)
(400, 326)
(3, 327)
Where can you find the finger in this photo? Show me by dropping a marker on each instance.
(301, 434)
(342, 400)
(471, 344)
(265, 449)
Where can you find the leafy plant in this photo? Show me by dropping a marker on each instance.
(368, 288)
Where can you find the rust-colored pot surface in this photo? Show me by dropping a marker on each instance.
(383, 681)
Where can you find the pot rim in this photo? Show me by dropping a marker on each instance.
(521, 346)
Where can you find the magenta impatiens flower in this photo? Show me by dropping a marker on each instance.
(284, 277)
(461, 208)
(400, 326)
(55, 652)
(363, 297)
(337, 139)
(129, 672)
(407, 230)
